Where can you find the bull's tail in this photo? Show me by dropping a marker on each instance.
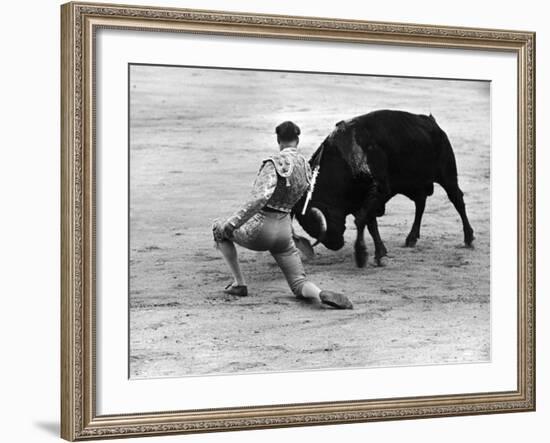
(449, 181)
(446, 170)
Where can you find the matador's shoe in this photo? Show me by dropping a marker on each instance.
(336, 300)
(238, 290)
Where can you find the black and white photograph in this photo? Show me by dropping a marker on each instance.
(293, 221)
(241, 222)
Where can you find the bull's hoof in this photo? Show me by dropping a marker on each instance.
(361, 257)
(381, 261)
(410, 242)
(469, 239)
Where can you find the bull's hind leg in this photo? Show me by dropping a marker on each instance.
(414, 235)
(455, 194)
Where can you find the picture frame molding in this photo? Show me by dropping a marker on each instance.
(79, 23)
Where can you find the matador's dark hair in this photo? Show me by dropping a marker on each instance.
(287, 131)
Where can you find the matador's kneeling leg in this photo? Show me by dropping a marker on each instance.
(290, 263)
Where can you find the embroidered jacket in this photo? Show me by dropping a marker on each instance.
(281, 182)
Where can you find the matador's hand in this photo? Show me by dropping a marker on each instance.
(222, 231)
(227, 229)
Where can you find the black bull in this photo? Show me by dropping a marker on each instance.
(367, 160)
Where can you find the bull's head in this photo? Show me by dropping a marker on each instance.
(325, 225)
(335, 190)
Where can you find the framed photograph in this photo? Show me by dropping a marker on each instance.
(277, 221)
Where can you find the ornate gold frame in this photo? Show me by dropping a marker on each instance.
(79, 21)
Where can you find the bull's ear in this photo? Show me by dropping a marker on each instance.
(304, 246)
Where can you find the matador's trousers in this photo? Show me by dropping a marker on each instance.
(272, 231)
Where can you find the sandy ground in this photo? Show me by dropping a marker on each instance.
(197, 138)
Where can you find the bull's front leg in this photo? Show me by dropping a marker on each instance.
(380, 250)
(373, 207)
(361, 254)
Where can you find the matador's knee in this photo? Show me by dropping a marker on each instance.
(222, 231)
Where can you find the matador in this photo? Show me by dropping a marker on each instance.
(264, 223)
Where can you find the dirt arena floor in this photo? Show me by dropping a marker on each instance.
(197, 139)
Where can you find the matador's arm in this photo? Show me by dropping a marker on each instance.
(263, 189)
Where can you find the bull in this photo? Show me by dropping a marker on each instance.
(367, 160)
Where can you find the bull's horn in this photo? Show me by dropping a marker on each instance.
(320, 217)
